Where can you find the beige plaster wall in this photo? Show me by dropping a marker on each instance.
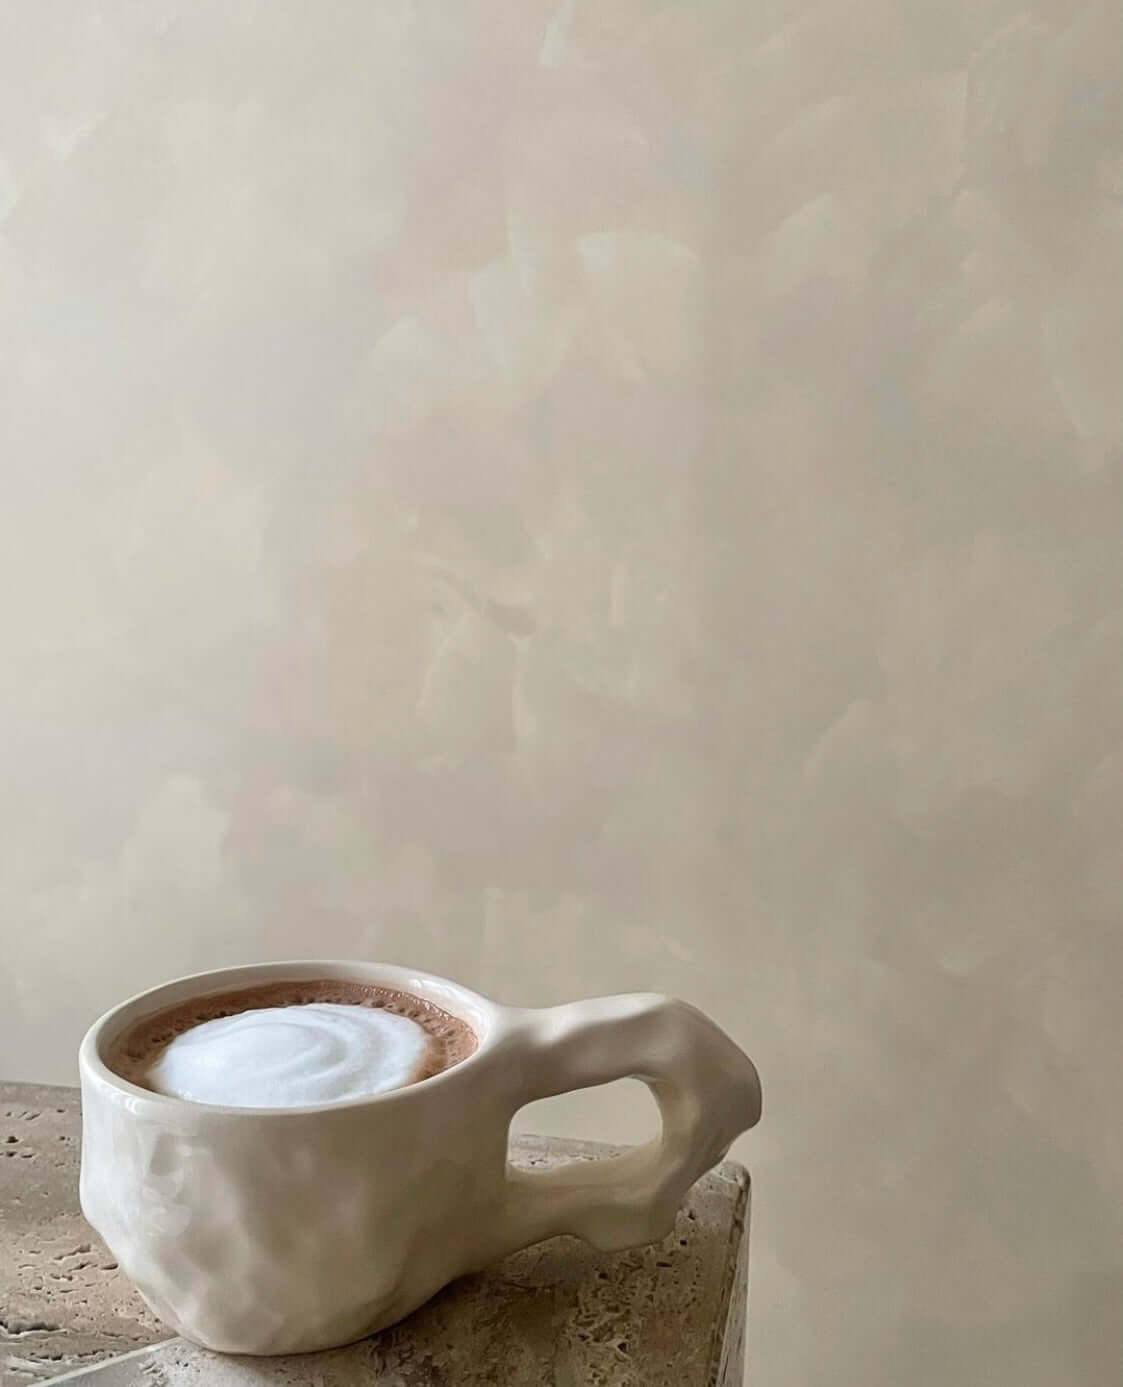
(590, 496)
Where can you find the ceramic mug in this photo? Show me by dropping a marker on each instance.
(281, 1230)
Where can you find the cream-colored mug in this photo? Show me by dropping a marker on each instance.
(280, 1230)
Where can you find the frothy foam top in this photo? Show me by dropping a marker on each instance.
(290, 1043)
(279, 1057)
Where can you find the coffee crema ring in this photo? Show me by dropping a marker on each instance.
(291, 1045)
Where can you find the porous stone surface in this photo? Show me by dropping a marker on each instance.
(559, 1313)
(62, 1300)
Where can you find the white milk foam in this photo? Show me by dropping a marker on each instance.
(291, 1056)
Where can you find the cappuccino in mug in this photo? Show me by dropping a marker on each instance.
(289, 1044)
(285, 1157)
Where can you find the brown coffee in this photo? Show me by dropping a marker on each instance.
(289, 1044)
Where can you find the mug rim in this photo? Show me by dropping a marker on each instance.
(483, 1021)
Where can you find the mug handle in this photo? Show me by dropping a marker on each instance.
(707, 1090)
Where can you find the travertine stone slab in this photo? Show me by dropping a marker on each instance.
(559, 1313)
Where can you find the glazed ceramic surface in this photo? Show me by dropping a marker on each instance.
(282, 1230)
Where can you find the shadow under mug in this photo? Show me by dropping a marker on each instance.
(283, 1230)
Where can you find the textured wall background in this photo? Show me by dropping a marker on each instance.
(594, 496)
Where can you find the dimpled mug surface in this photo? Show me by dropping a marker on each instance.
(282, 1230)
